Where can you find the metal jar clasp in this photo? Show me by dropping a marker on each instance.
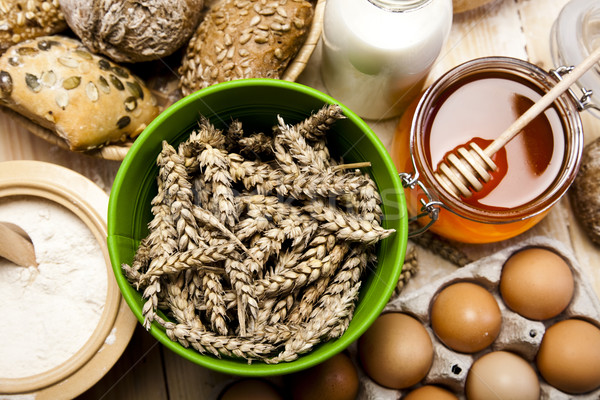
(583, 102)
(429, 207)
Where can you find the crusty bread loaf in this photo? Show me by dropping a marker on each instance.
(85, 99)
(133, 31)
(245, 39)
(27, 19)
(585, 191)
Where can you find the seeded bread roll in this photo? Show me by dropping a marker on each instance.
(245, 39)
(26, 19)
(133, 31)
(585, 191)
(85, 99)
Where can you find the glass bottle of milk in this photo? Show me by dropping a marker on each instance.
(377, 53)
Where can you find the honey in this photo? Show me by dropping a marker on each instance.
(480, 109)
(476, 102)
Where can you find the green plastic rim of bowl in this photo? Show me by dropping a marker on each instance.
(255, 102)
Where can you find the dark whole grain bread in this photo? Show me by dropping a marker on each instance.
(240, 39)
(585, 191)
(133, 31)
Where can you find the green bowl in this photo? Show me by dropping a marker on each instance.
(256, 103)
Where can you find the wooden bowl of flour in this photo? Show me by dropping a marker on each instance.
(70, 306)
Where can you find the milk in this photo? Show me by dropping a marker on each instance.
(377, 53)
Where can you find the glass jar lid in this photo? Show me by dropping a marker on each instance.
(575, 34)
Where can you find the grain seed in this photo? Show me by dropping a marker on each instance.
(27, 51)
(135, 89)
(281, 11)
(123, 122)
(261, 39)
(48, 78)
(255, 20)
(83, 54)
(91, 91)
(62, 99)
(221, 56)
(104, 65)
(71, 82)
(103, 84)
(244, 38)
(68, 61)
(46, 45)
(6, 84)
(267, 11)
(120, 72)
(33, 82)
(116, 82)
(14, 61)
(130, 103)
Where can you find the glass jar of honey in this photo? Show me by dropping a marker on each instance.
(476, 101)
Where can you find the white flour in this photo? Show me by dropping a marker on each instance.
(49, 312)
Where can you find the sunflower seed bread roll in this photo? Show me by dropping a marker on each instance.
(245, 39)
(87, 100)
(27, 19)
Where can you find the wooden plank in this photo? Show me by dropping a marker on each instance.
(138, 375)
(191, 381)
(537, 27)
(16, 143)
(490, 30)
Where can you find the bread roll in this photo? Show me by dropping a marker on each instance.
(133, 31)
(585, 191)
(85, 99)
(27, 19)
(245, 39)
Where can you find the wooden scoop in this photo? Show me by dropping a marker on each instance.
(469, 168)
(16, 246)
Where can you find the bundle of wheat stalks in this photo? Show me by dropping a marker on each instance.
(259, 242)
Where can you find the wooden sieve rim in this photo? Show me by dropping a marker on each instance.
(299, 62)
(49, 185)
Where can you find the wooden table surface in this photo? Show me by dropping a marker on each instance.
(517, 28)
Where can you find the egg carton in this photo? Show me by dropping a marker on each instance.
(518, 334)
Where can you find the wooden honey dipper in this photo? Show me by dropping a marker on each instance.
(468, 168)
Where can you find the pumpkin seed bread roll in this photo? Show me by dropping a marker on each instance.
(240, 39)
(21, 20)
(85, 99)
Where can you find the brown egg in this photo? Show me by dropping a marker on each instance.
(466, 317)
(502, 375)
(396, 351)
(536, 283)
(335, 379)
(430, 392)
(569, 356)
(250, 389)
